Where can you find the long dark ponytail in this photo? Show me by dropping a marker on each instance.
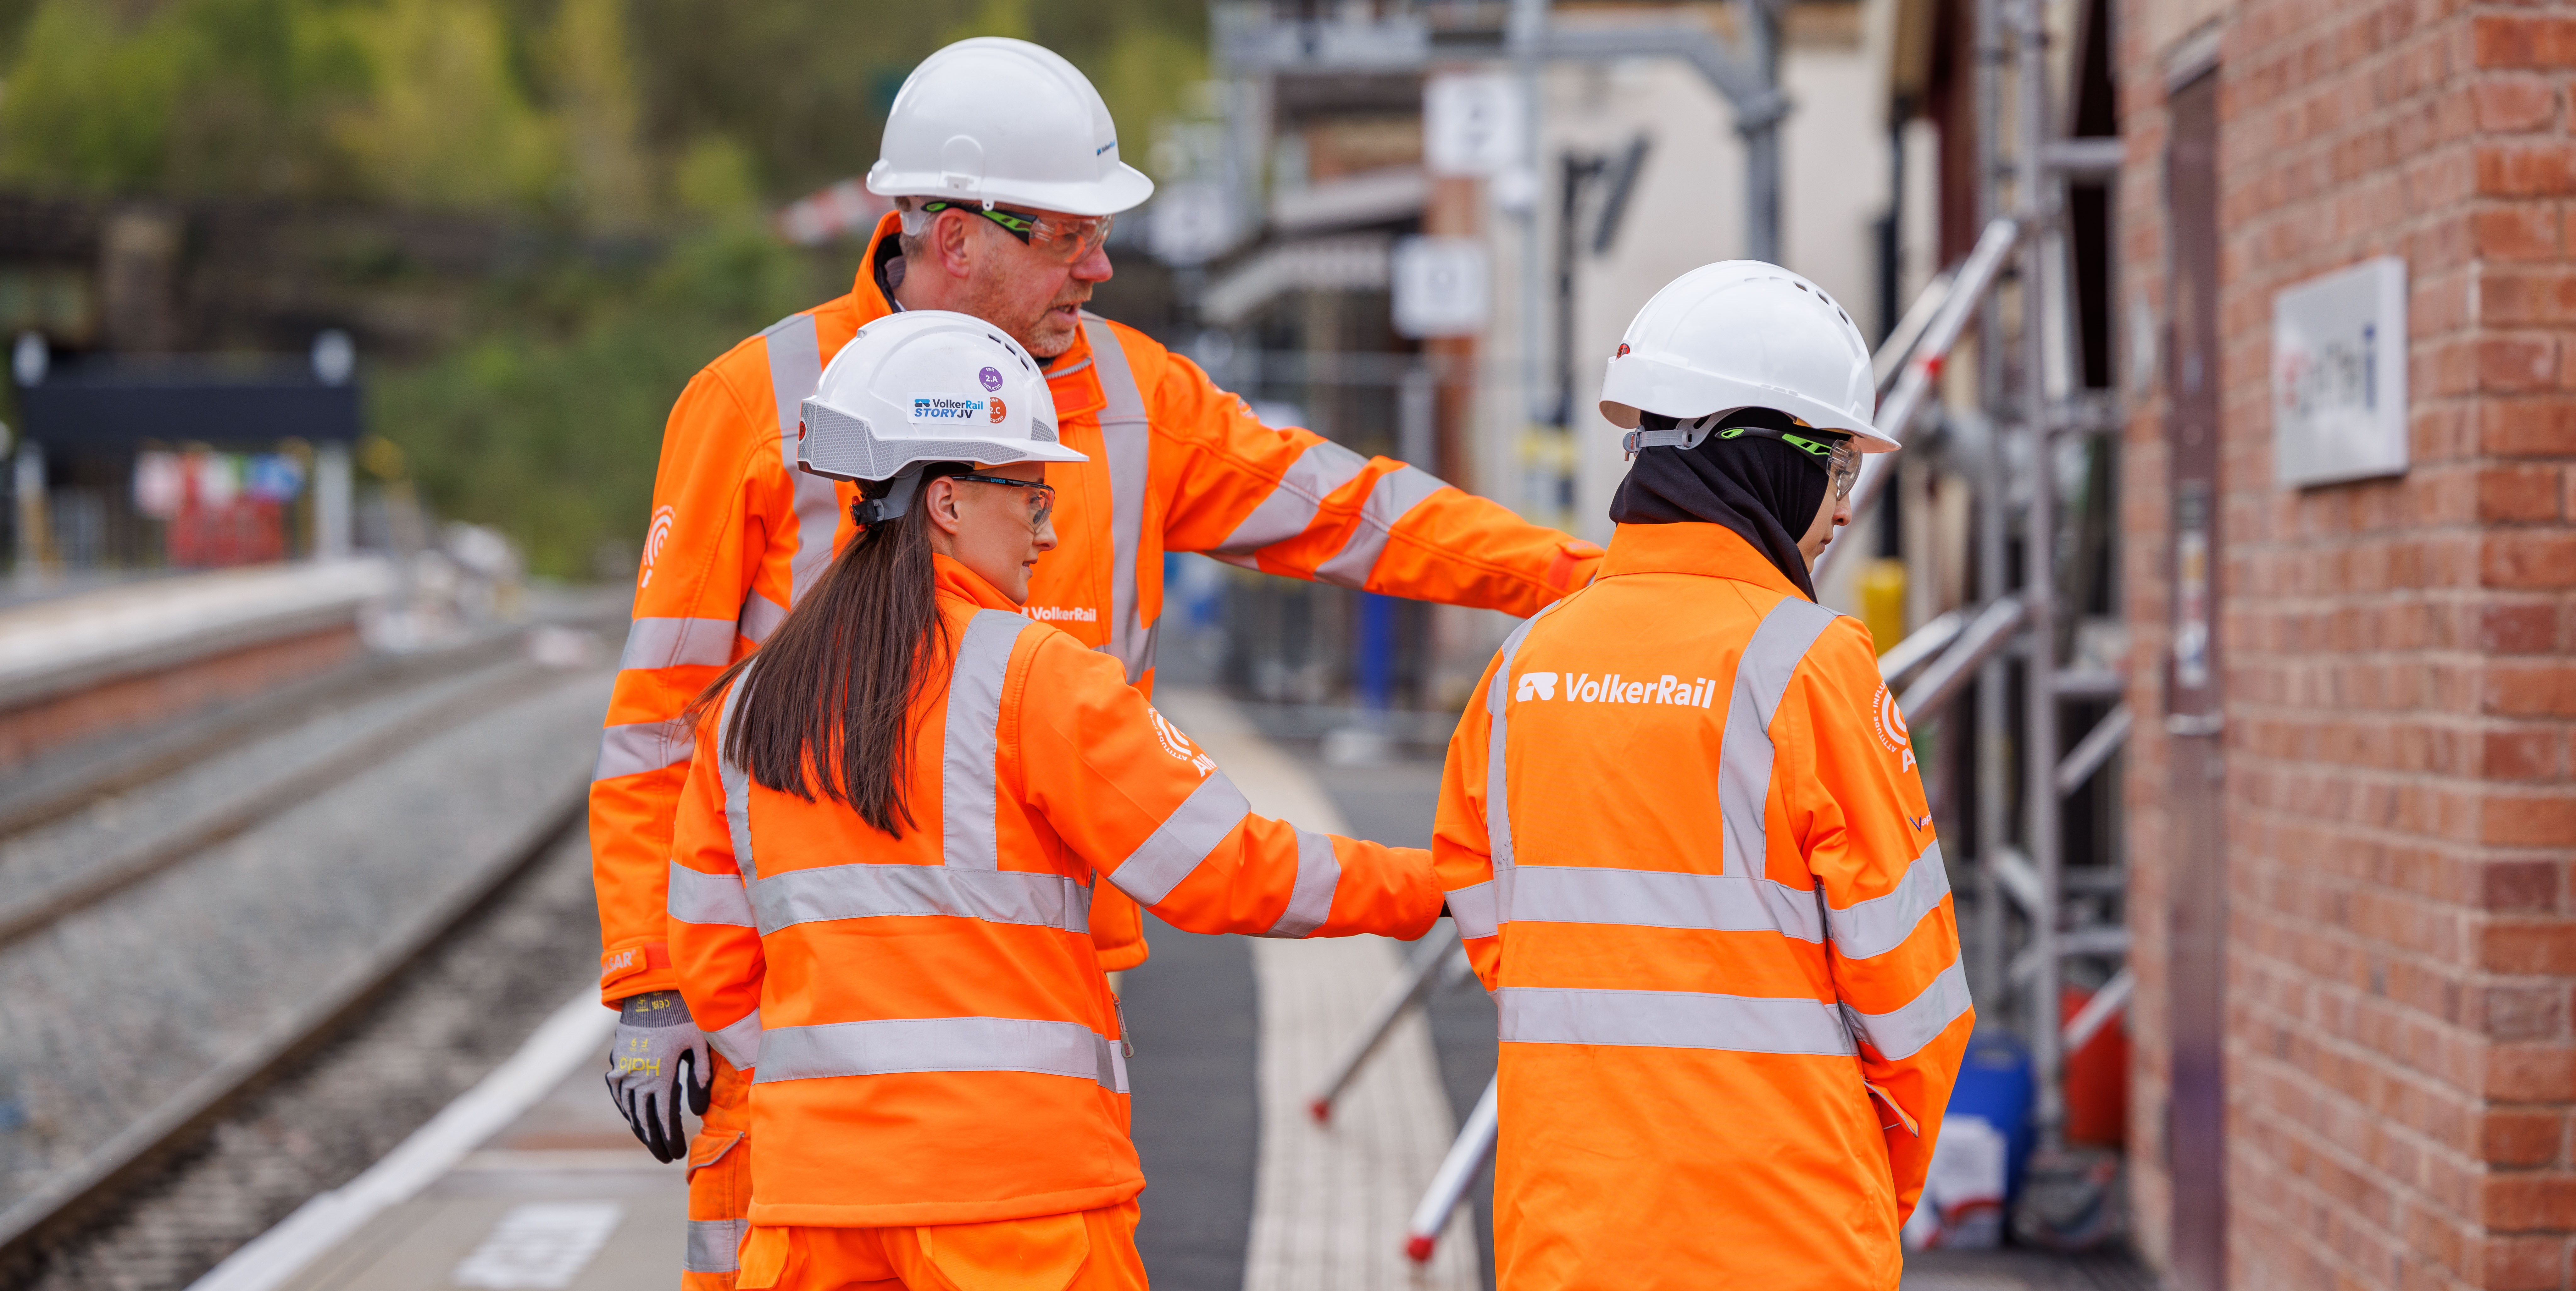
(828, 709)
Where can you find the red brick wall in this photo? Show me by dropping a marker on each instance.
(2400, 656)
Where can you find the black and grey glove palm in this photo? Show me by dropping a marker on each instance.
(656, 1040)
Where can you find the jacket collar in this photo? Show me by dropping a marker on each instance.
(955, 580)
(1708, 550)
(1070, 379)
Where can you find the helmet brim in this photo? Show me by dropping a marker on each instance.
(1122, 190)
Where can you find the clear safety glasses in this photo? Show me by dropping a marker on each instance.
(1065, 238)
(1839, 460)
(1041, 495)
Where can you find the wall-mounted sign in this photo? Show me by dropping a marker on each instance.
(1472, 123)
(2339, 375)
(1441, 286)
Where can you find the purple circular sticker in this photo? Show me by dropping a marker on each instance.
(992, 379)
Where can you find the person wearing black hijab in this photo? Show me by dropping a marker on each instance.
(1774, 493)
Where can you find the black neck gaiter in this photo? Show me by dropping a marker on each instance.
(1764, 490)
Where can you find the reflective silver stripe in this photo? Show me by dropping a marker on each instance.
(1310, 900)
(968, 792)
(739, 1043)
(1395, 493)
(1658, 899)
(1672, 1020)
(1291, 507)
(1762, 676)
(861, 891)
(885, 1048)
(698, 897)
(795, 368)
(1498, 789)
(1127, 436)
(714, 1245)
(736, 781)
(671, 643)
(1203, 820)
(1475, 910)
(1901, 1032)
(1881, 924)
(641, 747)
(760, 617)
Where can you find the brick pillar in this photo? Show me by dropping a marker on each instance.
(2399, 656)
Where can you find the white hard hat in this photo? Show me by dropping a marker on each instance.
(1002, 121)
(1745, 334)
(926, 386)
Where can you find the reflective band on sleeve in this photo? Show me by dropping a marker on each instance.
(698, 897)
(1293, 502)
(1310, 901)
(884, 1048)
(1902, 1032)
(736, 781)
(860, 891)
(1672, 1020)
(673, 643)
(1881, 924)
(795, 368)
(1474, 908)
(714, 1245)
(641, 747)
(967, 789)
(760, 617)
(1498, 790)
(1394, 494)
(1128, 439)
(1762, 676)
(1212, 811)
(1659, 899)
(739, 1043)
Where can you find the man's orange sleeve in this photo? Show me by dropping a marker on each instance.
(1289, 501)
(703, 543)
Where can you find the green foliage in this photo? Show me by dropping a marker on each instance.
(551, 434)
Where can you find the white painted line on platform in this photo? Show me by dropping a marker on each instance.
(576, 1032)
(540, 1246)
(1330, 1201)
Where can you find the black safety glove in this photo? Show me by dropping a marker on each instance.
(658, 1055)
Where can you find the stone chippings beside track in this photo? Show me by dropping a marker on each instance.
(458, 1015)
(116, 1008)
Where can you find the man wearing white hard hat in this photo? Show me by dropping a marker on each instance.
(1004, 167)
(1729, 1025)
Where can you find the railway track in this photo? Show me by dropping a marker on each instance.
(397, 708)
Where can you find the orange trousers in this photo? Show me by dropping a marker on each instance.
(1091, 1250)
(719, 1184)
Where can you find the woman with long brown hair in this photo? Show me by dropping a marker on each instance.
(885, 854)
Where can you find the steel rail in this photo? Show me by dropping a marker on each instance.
(79, 1192)
(28, 915)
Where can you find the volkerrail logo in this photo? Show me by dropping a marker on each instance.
(1179, 746)
(1890, 725)
(1612, 688)
(1061, 613)
(655, 534)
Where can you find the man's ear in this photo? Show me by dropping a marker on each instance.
(952, 234)
(938, 501)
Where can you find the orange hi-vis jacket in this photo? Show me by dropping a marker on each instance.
(1177, 464)
(931, 1037)
(1685, 841)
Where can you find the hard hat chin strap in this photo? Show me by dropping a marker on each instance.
(897, 499)
(1681, 437)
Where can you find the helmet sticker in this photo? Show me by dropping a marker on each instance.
(1000, 410)
(992, 379)
(947, 409)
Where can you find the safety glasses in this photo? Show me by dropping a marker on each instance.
(1065, 238)
(1839, 461)
(1041, 494)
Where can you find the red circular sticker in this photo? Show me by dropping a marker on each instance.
(999, 410)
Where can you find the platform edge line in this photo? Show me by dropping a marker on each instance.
(575, 1031)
